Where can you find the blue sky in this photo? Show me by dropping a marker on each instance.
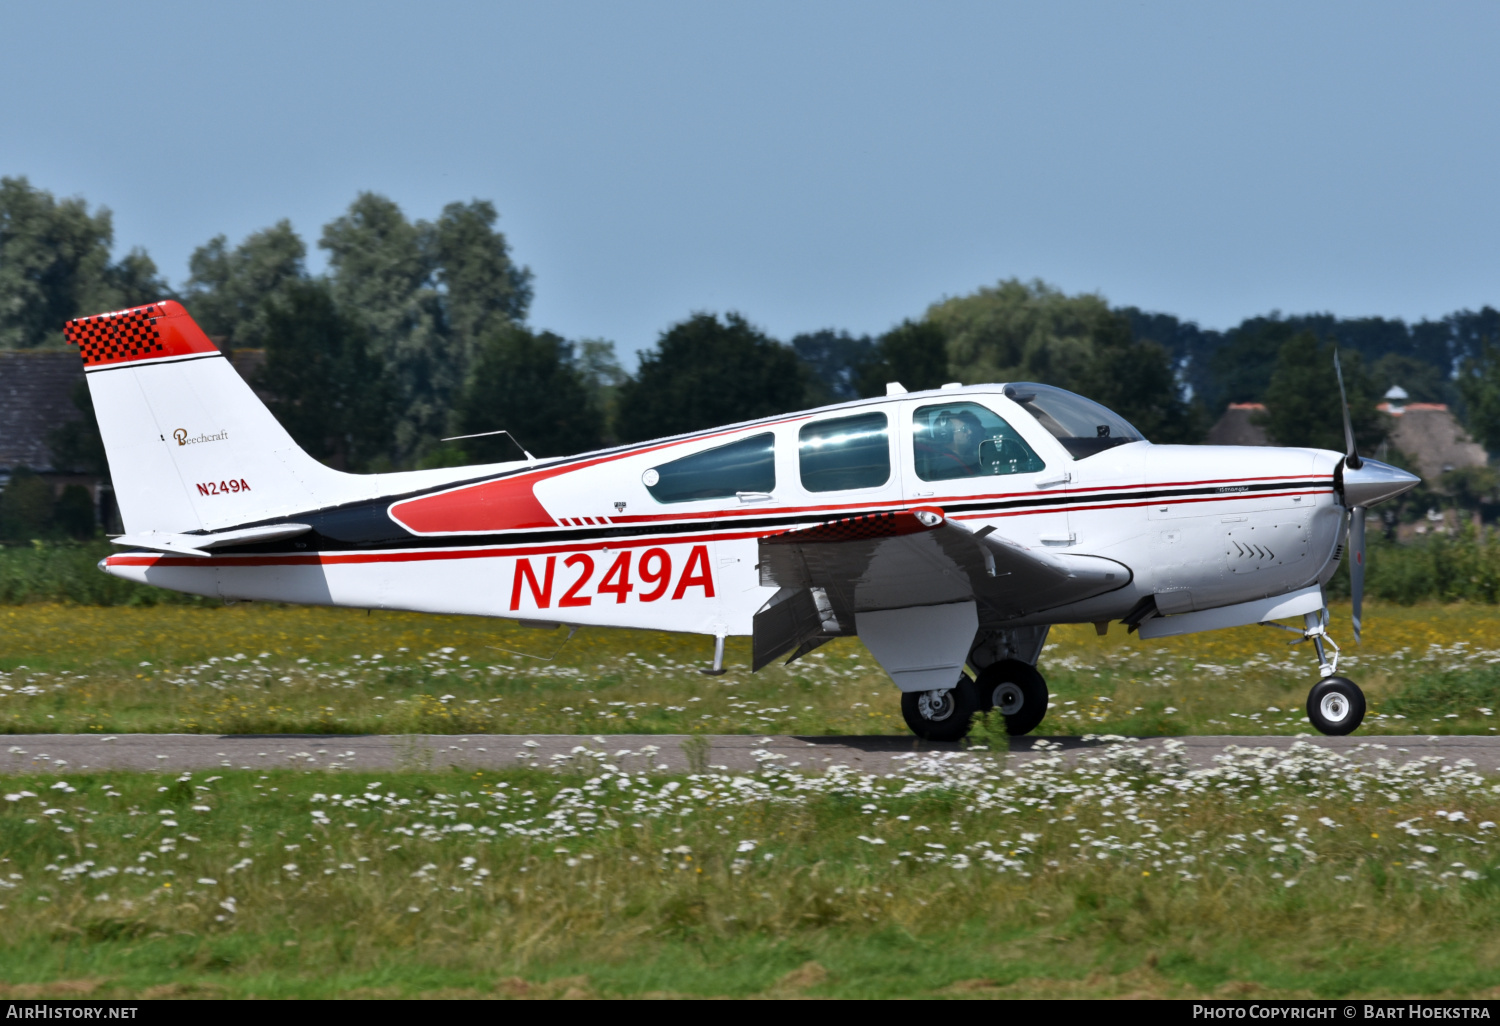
(808, 164)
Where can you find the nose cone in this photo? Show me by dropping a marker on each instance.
(1373, 482)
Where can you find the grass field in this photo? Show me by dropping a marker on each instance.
(258, 668)
(1289, 874)
(1275, 874)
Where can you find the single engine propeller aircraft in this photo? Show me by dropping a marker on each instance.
(948, 529)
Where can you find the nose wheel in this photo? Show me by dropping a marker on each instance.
(1335, 705)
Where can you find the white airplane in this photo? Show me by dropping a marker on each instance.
(948, 529)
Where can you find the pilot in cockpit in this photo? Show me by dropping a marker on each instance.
(962, 433)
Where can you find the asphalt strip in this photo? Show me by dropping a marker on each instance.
(28, 753)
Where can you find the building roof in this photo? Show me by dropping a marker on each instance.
(1427, 433)
(1431, 436)
(1237, 426)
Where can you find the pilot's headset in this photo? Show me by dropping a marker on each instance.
(942, 428)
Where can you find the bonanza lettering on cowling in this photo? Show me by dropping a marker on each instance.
(223, 487)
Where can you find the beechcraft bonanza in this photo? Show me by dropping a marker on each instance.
(948, 529)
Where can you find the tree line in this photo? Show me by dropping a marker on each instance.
(418, 332)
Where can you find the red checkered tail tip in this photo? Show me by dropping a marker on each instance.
(151, 332)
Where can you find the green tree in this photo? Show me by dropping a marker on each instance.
(228, 289)
(1423, 382)
(705, 372)
(55, 265)
(76, 445)
(530, 384)
(603, 375)
(381, 278)
(327, 389)
(26, 507)
(837, 361)
(1479, 384)
(1239, 371)
(1033, 332)
(1022, 332)
(73, 513)
(1135, 379)
(1470, 488)
(426, 293)
(481, 288)
(914, 353)
(1302, 402)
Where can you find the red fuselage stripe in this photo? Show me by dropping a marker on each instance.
(496, 551)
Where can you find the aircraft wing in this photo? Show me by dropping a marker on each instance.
(828, 572)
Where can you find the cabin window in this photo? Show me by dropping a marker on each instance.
(958, 440)
(1082, 426)
(748, 465)
(850, 452)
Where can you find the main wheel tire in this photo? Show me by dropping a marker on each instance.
(1017, 690)
(1336, 706)
(943, 715)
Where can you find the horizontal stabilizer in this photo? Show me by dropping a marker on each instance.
(198, 544)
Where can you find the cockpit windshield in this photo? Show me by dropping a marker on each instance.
(1083, 426)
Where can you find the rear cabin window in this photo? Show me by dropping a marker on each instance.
(958, 440)
(748, 465)
(850, 452)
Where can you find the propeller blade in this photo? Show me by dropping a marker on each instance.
(1352, 459)
(1357, 565)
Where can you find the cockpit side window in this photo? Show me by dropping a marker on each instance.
(849, 452)
(1082, 426)
(959, 440)
(748, 465)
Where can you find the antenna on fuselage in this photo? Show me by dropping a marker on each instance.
(486, 434)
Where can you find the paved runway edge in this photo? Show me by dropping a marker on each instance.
(656, 752)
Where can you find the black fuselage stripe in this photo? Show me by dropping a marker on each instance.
(318, 542)
(137, 364)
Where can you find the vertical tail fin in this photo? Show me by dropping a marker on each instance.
(190, 446)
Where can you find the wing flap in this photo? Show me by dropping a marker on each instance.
(922, 558)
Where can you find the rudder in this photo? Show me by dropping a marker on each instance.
(190, 446)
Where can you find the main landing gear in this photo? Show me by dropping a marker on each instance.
(1335, 705)
(1010, 687)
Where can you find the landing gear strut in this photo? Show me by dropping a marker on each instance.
(1335, 705)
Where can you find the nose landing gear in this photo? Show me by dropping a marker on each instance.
(1335, 705)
